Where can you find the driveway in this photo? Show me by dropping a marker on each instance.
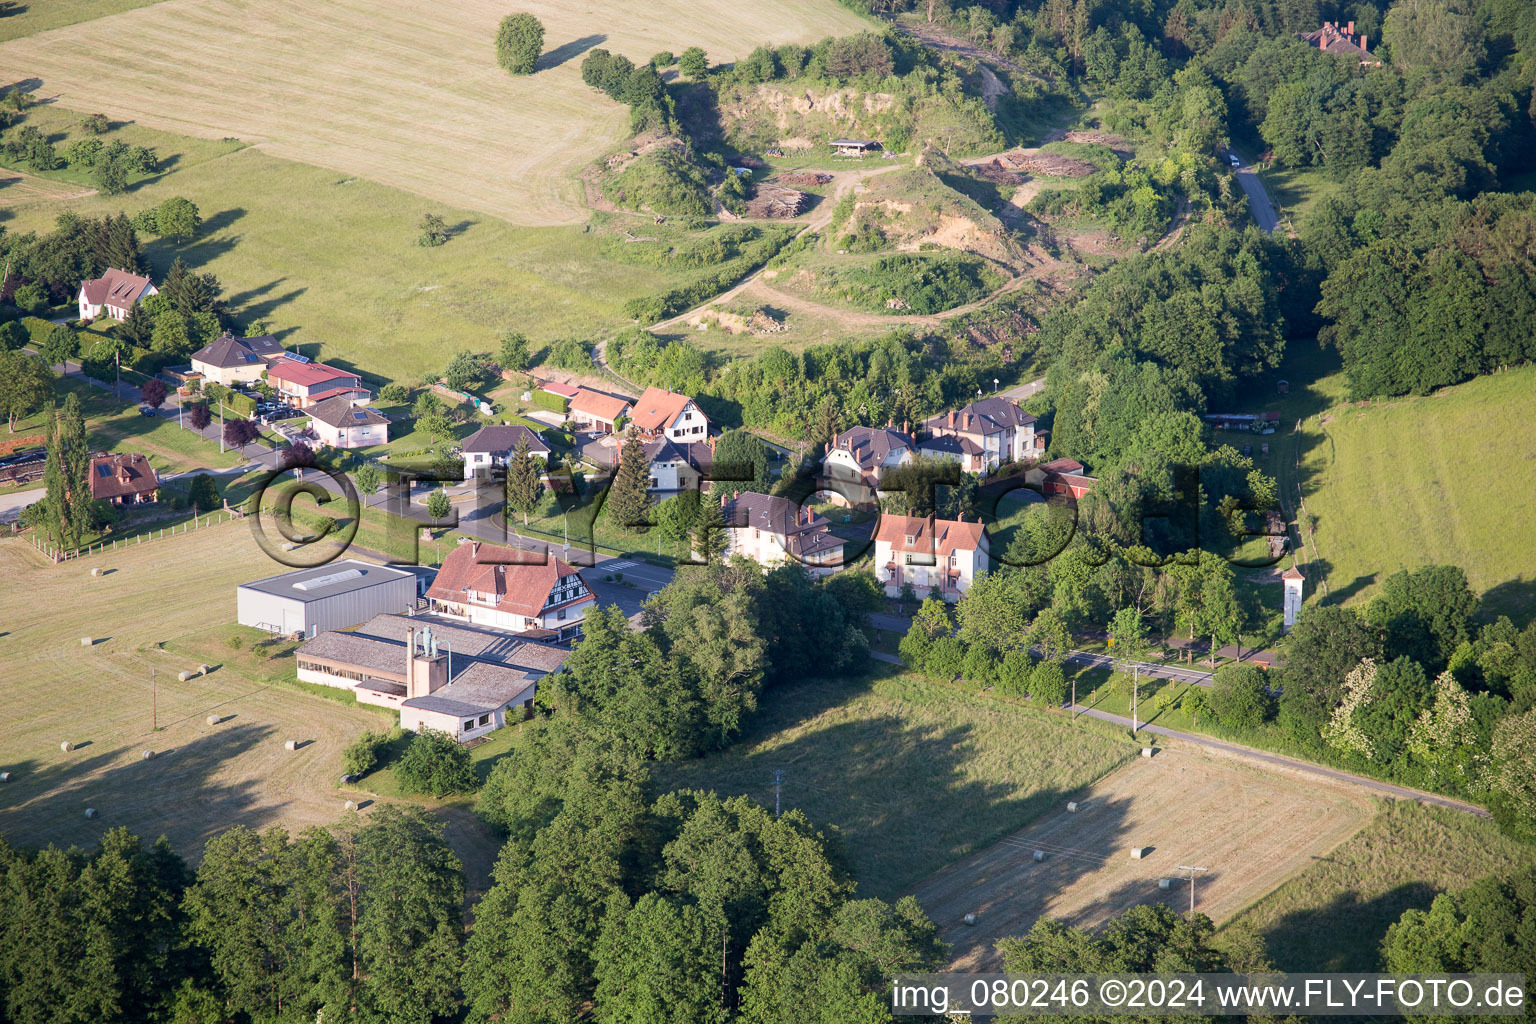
(1258, 199)
(12, 502)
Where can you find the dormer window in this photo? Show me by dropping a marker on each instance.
(910, 539)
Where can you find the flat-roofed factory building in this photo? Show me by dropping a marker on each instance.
(332, 596)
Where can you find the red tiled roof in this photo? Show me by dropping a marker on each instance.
(656, 409)
(595, 403)
(929, 536)
(308, 374)
(504, 574)
(117, 287)
(116, 476)
(563, 390)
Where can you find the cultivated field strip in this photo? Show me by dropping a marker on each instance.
(203, 778)
(401, 93)
(1252, 828)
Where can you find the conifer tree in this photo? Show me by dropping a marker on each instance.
(628, 500)
(524, 488)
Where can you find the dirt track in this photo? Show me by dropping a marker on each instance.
(1252, 827)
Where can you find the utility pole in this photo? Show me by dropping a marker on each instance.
(221, 423)
(154, 701)
(1191, 869)
(778, 777)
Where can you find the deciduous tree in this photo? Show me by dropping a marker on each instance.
(519, 43)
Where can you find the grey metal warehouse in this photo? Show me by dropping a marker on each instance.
(332, 596)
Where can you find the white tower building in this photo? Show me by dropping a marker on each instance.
(1294, 581)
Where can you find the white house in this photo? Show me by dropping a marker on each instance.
(493, 446)
(983, 435)
(670, 466)
(114, 293)
(510, 588)
(229, 360)
(928, 554)
(772, 530)
(670, 415)
(341, 423)
(851, 468)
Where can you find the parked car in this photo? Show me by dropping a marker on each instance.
(145, 410)
(1235, 161)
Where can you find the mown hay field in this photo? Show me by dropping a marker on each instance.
(100, 698)
(401, 93)
(1252, 827)
(904, 775)
(1333, 915)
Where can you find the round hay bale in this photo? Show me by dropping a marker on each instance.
(1072, 806)
(183, 676)
(214, 719)
(1146, 751)
(96, 571)
(205, 669)
(290, 744)
(1039, 855)
(66, 746)
(347, 780)
(1138, 852)
(90, 812)
(970, 918)
(350, 805)
(86, 641)
(1165, 883)
(5, 776)
(148, 755)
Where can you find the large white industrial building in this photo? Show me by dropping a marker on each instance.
(332, 596)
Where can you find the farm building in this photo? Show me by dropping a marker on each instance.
(462, 680)
(123, 479)
(855, 147)
(114, 293)
(331, 596)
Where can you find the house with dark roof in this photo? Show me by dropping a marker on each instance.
(460, 680)
(126, 479)
(670, 415)
(772, 530)
(342, 423)
(597, 412)
(929, 555)
(670, 465)
(229, 360)
(510, 588)
(113, 293)
(303, 384)
(491, 447)
(851, 467)
(983, 435)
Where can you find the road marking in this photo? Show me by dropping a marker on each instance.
(619, 565)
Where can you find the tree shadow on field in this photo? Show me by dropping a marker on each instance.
(565, 51)
(1345, 934)
(173, 794)
(10, 10)
(1138, 892)
(1515, 598)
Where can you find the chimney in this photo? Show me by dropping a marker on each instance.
(959, 517)
(890, 422)
(951, 417)
(722, 499)
(1322, 40)
(1351, 28)
(906, 426)
(410, 661)
(1367, 49)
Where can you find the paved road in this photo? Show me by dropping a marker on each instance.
(12, 502)
(1258, 199)
(1023, 391)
